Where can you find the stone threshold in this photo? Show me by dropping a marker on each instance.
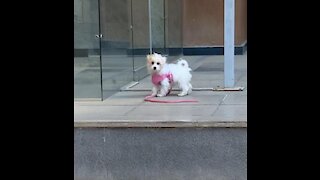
(159, 123)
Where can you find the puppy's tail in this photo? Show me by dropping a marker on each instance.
(183, 63)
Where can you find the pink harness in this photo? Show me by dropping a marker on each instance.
(156, 80)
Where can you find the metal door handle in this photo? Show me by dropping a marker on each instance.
(99, 35)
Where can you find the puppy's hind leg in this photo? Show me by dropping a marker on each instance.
(185, 88)
(190, 88)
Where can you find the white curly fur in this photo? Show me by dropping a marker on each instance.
(156, 63)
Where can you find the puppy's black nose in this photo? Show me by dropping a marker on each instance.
(154, 68)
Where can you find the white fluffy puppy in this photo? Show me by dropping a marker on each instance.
(165, 76)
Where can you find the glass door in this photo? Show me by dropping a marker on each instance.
(166, 28)
(113, 37)
(117, 63)
(173, 28)
(158, 26)
(140, 37)
(87, 62)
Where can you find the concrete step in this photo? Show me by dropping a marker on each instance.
(160, 153)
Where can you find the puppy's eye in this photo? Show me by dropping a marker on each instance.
(158, 63)
(152, 62)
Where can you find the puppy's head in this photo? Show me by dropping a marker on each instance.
(155, 62)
